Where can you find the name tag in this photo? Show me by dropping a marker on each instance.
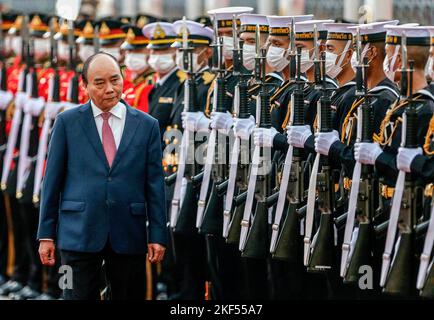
(165, 100)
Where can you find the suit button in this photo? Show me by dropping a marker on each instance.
(109, 179)
(107, 203)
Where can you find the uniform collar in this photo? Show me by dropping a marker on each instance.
(161, 81)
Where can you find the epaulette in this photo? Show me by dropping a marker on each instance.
(181, 75)
(208, 77)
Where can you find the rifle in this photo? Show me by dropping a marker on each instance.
(238, 171)
(181, 219)
(321, 262)
(29, 129)
(322, 253)
(399, 280)
(285, 242)
(362, 252)
(253, 237)
(208, 219)
(52, 108)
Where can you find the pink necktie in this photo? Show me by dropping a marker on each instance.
(108, 140)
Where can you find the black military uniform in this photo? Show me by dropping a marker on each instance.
(189, 245)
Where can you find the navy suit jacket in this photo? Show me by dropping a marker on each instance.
(85, 203)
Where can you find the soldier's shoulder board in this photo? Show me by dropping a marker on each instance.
(181, 75)
(207, 77)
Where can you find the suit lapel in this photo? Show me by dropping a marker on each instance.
(131, 123)
(87, 122)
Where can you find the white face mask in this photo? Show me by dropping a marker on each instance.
(333, 65)
(63, 51)
(161, 63)
(85, 52)
(112, 51)
(42, 47)
(136, 62)
(228, 47)
(354, 61)
(389, 64)
(429, 67)
(306, 62)
(16, 43)
(276, 58)
(180, 61)
(249, 53)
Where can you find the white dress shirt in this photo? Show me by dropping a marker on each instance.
(116, 121)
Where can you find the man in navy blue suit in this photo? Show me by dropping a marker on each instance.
(103, 193)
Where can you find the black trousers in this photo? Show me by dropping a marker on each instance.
(125, 274)
(29, 218)
(3, 238)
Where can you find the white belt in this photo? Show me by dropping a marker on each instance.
(394, 215)
(231, 186)
(349, 226)
(210, 152)
(310, 211)
(282, 198)
(426, 253)
(251, 190)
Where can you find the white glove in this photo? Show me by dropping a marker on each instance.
(324, 140)
(405, 157)
(264, 137)
(34, 106)
(243, 127)
(203, 124)
(20, 100)
(297, 135)
(5, 99)
(222, 121)
(367, 153)
(52, 109)
(194, 121)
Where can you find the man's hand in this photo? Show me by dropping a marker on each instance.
(47, 252)
(155, 252)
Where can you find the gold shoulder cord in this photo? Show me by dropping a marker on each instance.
(208, 99)
(380, 139)
(348, 116)
(288, 110)
(428, 137)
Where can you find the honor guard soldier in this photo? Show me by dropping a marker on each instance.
(280, 39)
(7, 21)
(26, 215)
(111, 37)
(339, 146)
(18, 264)
(139, 76)
(383, 152)
(169, 77)
(407, 124)
(222, 22)
(160, 106)
(87, 39)
(193, 40)
(199, 38)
